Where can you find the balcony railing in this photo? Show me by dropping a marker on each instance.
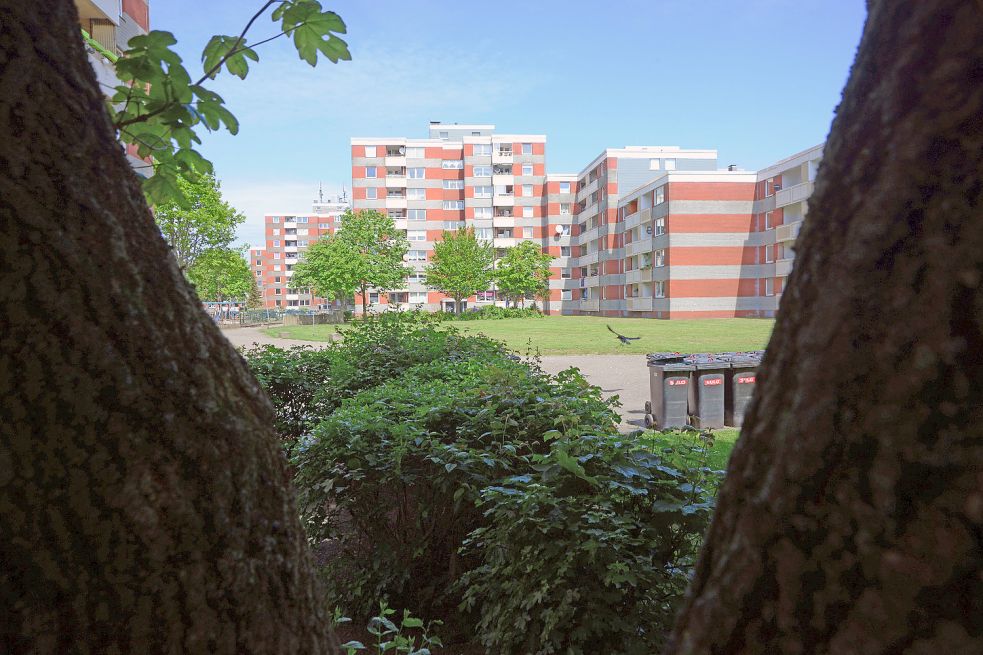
(792, 194)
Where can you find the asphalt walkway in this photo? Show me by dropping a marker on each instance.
(625, 376)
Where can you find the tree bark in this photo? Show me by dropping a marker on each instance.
(851, 519)
(365, 302)
(144, 503)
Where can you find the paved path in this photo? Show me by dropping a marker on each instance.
(625, 376)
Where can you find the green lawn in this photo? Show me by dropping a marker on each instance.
(724, 440)
(569, 335)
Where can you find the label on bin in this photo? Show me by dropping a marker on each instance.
(712, 382)
(672, 382)
(745, 379)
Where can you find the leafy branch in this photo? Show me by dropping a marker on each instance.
(158, 108)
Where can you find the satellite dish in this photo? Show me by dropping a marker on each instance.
(559, 229)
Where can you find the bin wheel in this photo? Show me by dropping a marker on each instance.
(649, 420)
(648, 406)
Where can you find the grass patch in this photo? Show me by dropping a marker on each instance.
(719, 455)
(585, 335)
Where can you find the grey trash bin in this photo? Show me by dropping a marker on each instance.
(669, 383)
(741, 381)
(706, 393)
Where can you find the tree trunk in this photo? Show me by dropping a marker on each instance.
(365, 302)
(457, 305)
(851, 518)
(144, 502)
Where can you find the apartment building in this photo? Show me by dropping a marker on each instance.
(643, 231)
(461, 176)
(107, 27)
(287, 237)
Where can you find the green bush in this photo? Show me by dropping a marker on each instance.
(588, 553)
(388, 483)
(305, 384)
(487, 313)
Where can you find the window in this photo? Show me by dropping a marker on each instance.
(274, 219)
(482, 149)
(416, 256)
(527, 233)
(302, 232)
(769, 287)
(660, 226)
(416, 194)
(564, 208)
(302, 243)
(566, 294)
(660, 195)
(276, 280)
(371, 193)
(416, 214)
(276, 267)
(565, 187)
(277, 291)
(503, 190)
(276, 233)
(417, 173)
(527, 212)
(453, 204)
(482, 212)
(527, 169)
(415, 153)
(527, 190)
(485, 296)
(276, 244)
(564, 251)
(370, 151)
(768, 223)
(454, 225)
(483, 233)
(527, 148)
(670, 164)
(769, 255)
(301, 219)
(660, 257)
(416, 235)
(660, 289)
(453, 184)
(564, 230)
(370, 171)
(483, 192)
(482, 171)
(654, 165)
(259, 262)
(445, 135)
(418, 297)
(453, 164)
(417, 277)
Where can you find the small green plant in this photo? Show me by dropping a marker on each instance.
(392, 638)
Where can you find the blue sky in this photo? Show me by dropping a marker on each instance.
(756, 79)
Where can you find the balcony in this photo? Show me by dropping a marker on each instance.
(588, 259)
(395, 202)
(640, 304)
(400, 223)
(504, 242)
(638, 247)
(793, 194)
(587, 191)
(784, 266)
(503, 200)
(395, 181)
(503, 221)
(500, 179)
(638, 275)
(501, 156)
(787, 232)
(98, 10)
(289, 225)
(589, 304)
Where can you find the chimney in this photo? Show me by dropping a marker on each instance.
(732, 167)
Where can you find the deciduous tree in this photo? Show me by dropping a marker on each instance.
(461, 265)
(221, 274)
(851, 517)
(202, 222)
(524, 271)
(365, 253)
(144, 501)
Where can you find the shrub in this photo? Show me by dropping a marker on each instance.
(588, 553)
(391, 478)
(305, 385)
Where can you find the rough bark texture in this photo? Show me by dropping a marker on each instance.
(851, 520)
(144, 505)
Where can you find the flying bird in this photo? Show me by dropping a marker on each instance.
(622, 338)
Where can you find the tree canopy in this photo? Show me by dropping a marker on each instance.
(524, 271)
(461, 265)
(202, 222)
(366, 252)
(221, 274)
